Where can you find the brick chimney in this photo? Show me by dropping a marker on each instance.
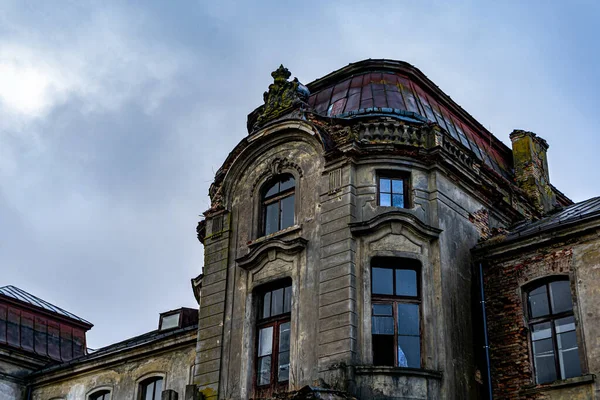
(531, 168)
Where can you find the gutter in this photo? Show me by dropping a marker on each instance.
(485, 334)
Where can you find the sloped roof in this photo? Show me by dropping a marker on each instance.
(137, 341)
(15, 293)
(578, 212)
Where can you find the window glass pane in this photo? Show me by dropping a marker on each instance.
(277, 302)
(408, 319)
(382, 309)
(273, 190)
(266, 305)
(382, 325)
(283, 372)
(382, 281)
(287, 212)
(406, 282)
(149, 391)
(385, 185)
(538, 302)
(568, 354)
(264, 371)
(385, 200)
(157, 389)
(170, 321)
(560, 295)
(398, 200)
(272, 218)
(541, 331)
(265, 341)
(409, 351)
(287, 183)
(545, 367)
(565, 324)
(383, 350)
(397, 186)
(284, 337)
(287, 299)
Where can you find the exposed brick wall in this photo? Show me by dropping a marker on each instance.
(481, 220)
(507, 330)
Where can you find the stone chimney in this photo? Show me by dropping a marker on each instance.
(531, 168)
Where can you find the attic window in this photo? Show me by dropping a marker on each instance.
(169, 321)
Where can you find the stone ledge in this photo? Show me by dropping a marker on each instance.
(382, 370)
(577, 381)
(278, 234)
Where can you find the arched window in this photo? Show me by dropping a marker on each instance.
(396, 312)
(278, 204)
(100, 395)
(151, 388)
(552, 331)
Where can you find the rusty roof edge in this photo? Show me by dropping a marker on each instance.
(369, 65)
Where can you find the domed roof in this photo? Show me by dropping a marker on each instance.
(397, 88)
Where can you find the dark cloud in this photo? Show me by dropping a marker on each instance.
(114, 118)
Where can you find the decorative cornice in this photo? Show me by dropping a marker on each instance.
(400, 216)
(276, 167)
(262, 250)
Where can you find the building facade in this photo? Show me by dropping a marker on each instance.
(368, 239)
(43, 355)
(338, 245)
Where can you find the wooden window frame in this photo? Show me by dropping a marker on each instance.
(395, 175)
(143, 386)
(275, 322)
(549, 318)
(275, 198)
(399, 299)
(100, 395)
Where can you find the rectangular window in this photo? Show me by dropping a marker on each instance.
(395, 319)
(273, 339)
(392, 192)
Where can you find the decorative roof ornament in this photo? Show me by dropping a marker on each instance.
(281, 97)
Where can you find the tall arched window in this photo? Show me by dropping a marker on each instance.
(278, 204)
(552, 331)
(100, 395)
(151, 388)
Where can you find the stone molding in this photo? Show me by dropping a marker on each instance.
(262, 250)
(400, 216)
(386, 370)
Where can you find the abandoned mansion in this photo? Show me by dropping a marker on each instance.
(368, 239)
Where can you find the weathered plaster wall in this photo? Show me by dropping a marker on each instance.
(10, 390)
(121, 377)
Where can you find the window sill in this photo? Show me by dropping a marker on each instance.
(577, 381)
(385, 370)
(278, 234)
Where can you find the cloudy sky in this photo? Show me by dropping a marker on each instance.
(114, 117)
